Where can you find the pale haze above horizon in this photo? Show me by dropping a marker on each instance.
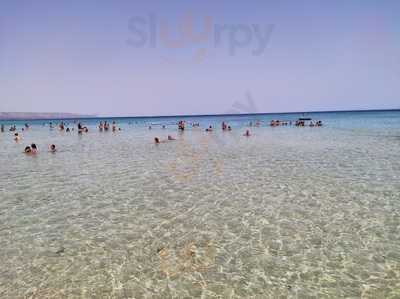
(131, 58)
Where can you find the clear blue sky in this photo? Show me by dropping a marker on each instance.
(77, 56)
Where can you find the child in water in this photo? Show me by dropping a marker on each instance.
(53, 148)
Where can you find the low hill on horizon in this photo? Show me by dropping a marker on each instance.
(40, 115)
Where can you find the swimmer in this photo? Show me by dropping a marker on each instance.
(53, 148)
(170, 138)
(28, 150)
(247, 134)
(209, 129)
(34, 148)
(158, 141)
(17, 137)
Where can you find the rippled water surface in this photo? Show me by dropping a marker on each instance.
(286, 213)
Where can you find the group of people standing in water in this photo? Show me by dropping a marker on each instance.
(33, 149)
(30, 149)
(181, 127)
(226, 127)
(299, 123)
(62, 126)
(302, 123)
(105, 126)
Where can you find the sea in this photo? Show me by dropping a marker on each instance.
(289, 212)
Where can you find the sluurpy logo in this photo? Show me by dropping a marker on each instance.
(153, 31)
(248, 107)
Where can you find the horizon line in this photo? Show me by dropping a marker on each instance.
(90, 116)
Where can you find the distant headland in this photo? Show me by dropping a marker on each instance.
(40, 115)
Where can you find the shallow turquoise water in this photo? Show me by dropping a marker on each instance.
(290, 212)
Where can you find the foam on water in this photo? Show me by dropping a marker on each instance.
(290, 212)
